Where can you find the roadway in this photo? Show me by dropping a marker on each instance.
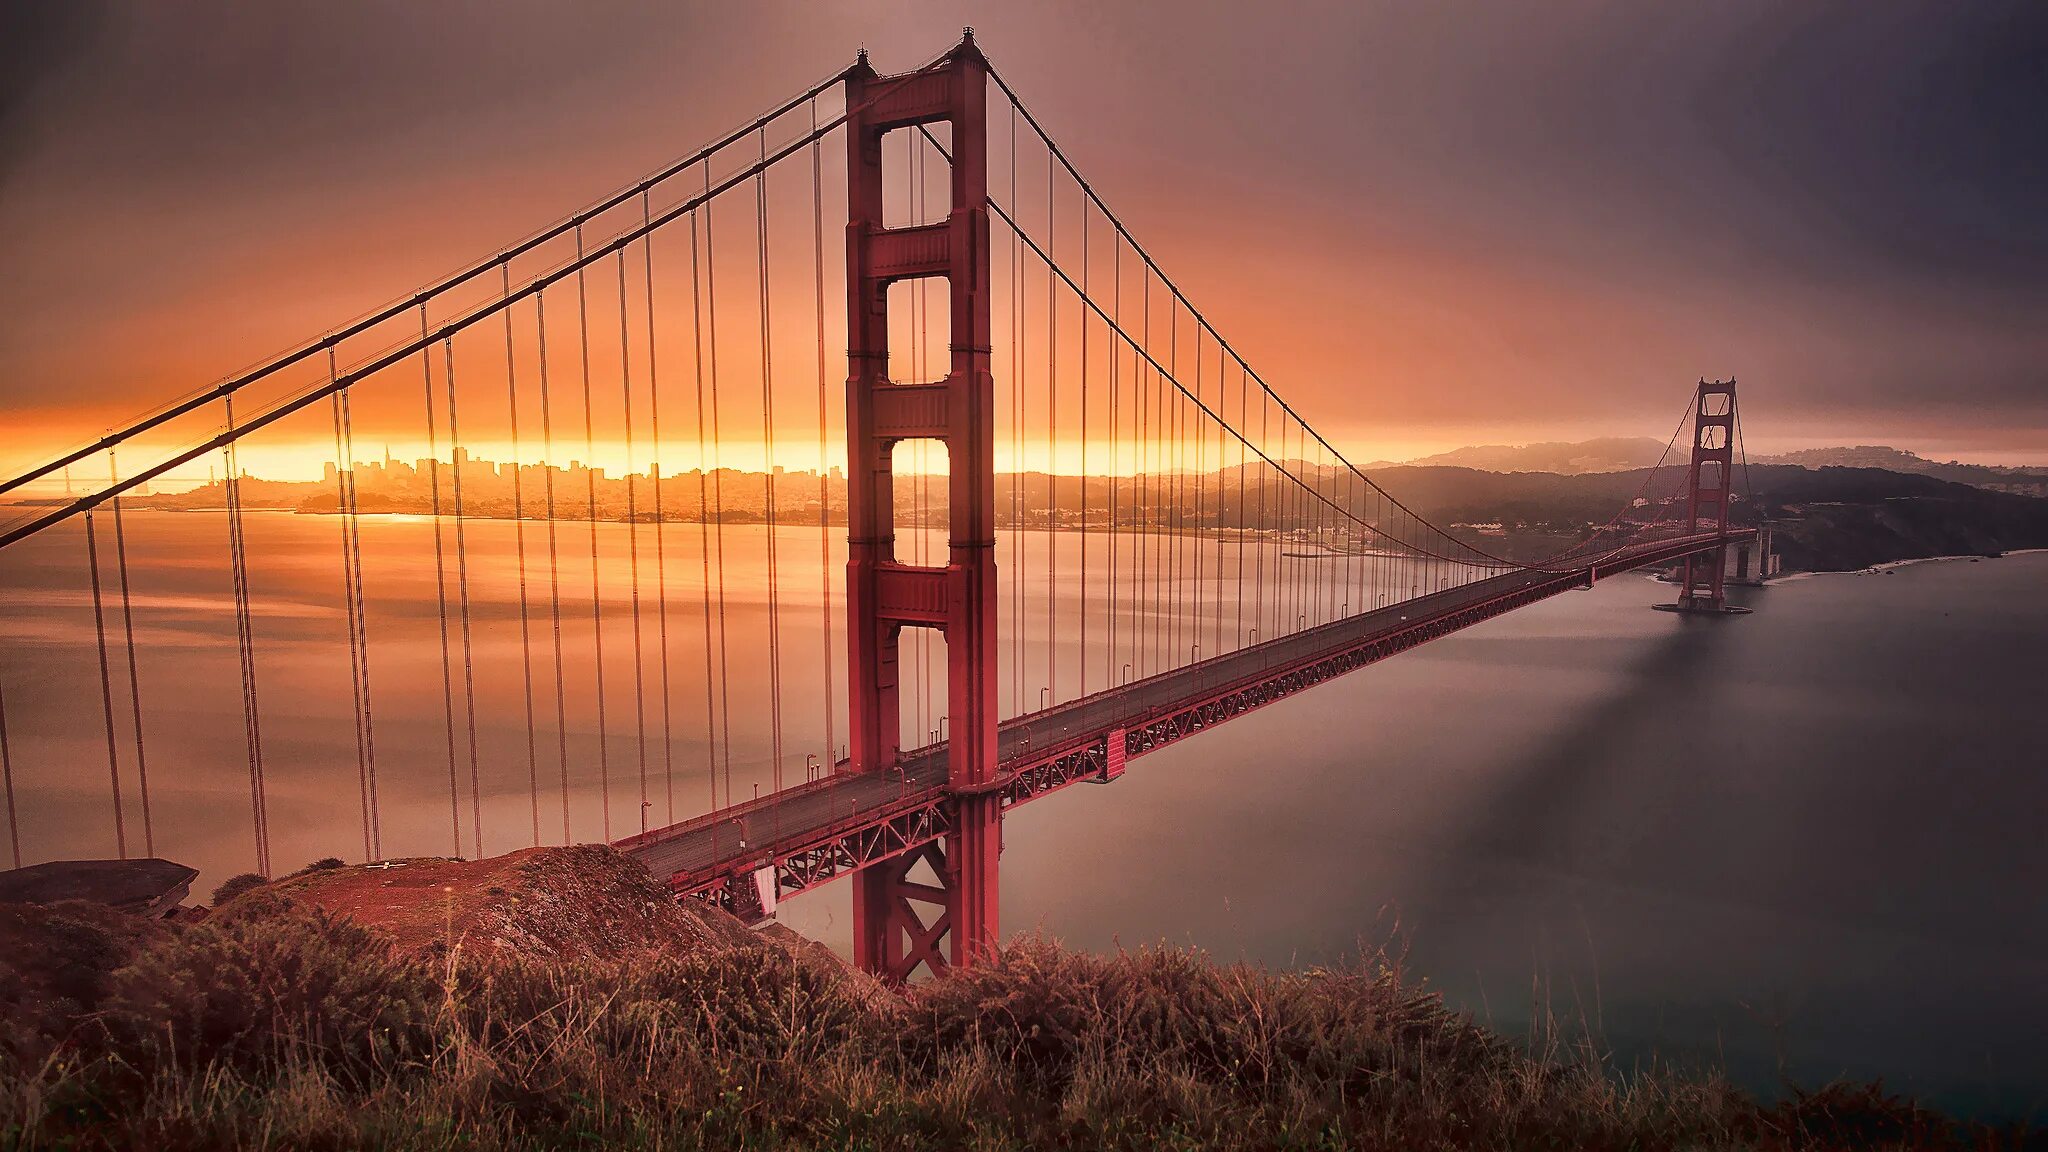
(765, 827)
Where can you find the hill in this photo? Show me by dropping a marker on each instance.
(1826, 519)
(1627, 453)
(2023, 481)
(1610, 454)
(277, 1022)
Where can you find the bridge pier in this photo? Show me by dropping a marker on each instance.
(1710, 479)
(884, 595)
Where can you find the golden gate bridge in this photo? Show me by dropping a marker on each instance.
(1133, 537)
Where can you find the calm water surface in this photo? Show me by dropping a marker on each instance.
(1811, 840)
(1807, 840)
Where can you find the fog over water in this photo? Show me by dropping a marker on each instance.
(1808, 837)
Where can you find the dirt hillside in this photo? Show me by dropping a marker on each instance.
(541, 902)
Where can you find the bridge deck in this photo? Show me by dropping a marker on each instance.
(776, 828)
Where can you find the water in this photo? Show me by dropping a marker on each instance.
(1806, 839)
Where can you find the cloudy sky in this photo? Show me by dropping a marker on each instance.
(1426, 224)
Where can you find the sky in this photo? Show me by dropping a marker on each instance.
(1426, 225)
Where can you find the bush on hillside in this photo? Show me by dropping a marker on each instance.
(265, 981)
(235, 885)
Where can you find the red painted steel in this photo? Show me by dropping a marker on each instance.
(885, 595)
(1709, 481)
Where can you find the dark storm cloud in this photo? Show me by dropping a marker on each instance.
(1891, 140)
(1919, 133)
(1827, 139)
(38, 40)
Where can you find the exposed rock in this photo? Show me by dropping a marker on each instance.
(148, 887)
(540, 902)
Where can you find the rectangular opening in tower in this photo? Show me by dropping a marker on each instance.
(921, 688)
(920, 330)
(917, 177)
(919, 468)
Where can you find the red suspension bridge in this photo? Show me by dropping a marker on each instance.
(1056, 522)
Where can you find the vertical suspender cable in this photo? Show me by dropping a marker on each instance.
(1265, 482)
(1083, 585)
(99, 623)
(547, 466)
(913, 191)
(668, 740)
(245, 634)
(1219, 505)
(1116, 307)
(519, 547)
(1017, 470)
(1201, 484)
(704, 518)
(353, 522)
(7, 777)
(1149, 419)
(768, 467)
(344, 463)
(441, 583)
(824, 463)
(717, 484)
(1052, 442)
(134, 675)
(1177, 444)
(1244, 420)
(1145, 638)
(604, 765)
(633, 544)
(458, 458)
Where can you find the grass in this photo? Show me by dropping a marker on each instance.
(272, 1024)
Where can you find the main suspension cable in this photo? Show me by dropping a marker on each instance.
(392, 311)
(1056, 153)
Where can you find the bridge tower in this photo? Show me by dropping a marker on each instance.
(884, 595)
(1709, 480)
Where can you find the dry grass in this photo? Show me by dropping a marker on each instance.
(278, 1025)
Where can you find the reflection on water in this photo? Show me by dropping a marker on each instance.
(1806, 838)
(596, 778)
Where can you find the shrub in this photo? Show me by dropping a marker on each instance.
(266, 978)
(273, 1023)
(55, 964)
(234, 886)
